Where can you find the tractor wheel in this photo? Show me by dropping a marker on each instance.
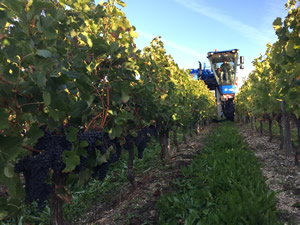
(229, 110)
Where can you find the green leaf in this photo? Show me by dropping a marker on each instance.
(13, 186)
(101, 159)
(10, 146)
(83, 177)
(83, 144)
(46, 97)
(115, 132)
(81, 151)
(3, 214)
(78, 108)
(82, 37)
(54, 114)
(290, 50)
(44, 53)
(11, 52)
(124, 94)
(277, 23)
(14, 204)
(3, 18)
(71, 159)
(34, 134)
(9, 170)
(4, 123)
(60, 102)
(39, 78)
(72, 134)
(45, 25)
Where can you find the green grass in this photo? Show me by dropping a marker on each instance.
(224, 185)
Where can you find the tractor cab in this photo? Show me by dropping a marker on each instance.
(224, 66)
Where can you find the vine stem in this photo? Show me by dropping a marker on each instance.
(8, 83)
(32, 103)
(12, 109)
(31, 149)
(107, 108)
(136, 111)
(93, 120)
(100, 114)
(101, 98)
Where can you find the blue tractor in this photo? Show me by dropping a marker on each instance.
(221, 78)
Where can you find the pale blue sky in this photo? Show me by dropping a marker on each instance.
(191, 28)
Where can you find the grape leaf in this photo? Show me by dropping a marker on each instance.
(71, 159)
(290, 51)
(33, 134)
(72, 134)
(44, 53)
(46, 97)
(9, 171)
(10, 146)
(78, 108)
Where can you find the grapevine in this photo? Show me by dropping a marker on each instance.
(75, 91)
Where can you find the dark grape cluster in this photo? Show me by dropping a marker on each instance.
(53, 145)
(100, 141)
(141, 140)
(101, 171)
(35, 170)
(36, 167)
(128, 142)
(115, 156)
(143, 137)
(92, 138)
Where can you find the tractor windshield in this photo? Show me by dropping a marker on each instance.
(224, 72)
(224, 67)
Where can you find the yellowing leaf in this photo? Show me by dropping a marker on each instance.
(164, 96)
(174, 116)
(133, 34)
(90, 43)
(121, 3)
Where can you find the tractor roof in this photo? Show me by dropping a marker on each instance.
(232, 51)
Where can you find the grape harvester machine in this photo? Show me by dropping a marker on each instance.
(221, 78)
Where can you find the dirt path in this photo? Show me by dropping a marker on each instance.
(281, 174)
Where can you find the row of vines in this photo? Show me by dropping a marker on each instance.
(76, 93)
(272, 91)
